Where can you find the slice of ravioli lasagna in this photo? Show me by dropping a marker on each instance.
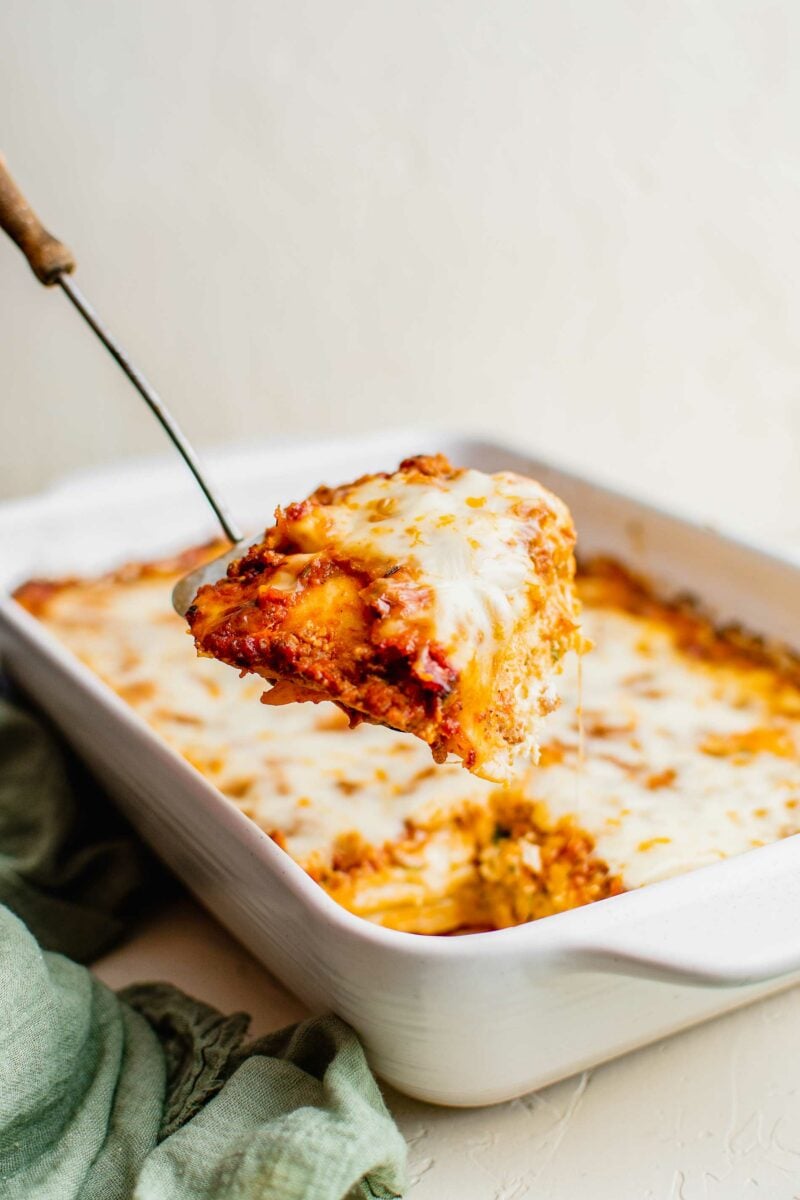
(434, 600)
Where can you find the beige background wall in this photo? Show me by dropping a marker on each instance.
(575, 224)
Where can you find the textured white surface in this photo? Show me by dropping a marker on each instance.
(712, 1114)
(572, 223)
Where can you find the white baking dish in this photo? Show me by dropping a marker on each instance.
(467, 1020)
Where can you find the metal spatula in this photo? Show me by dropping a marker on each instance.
(52, 263)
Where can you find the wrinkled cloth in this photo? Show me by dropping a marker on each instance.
(148, 1094)
(70, 867)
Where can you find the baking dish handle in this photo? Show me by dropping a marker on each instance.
(745, 932)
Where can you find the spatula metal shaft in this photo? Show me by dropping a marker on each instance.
(151, 397)
(53, 263)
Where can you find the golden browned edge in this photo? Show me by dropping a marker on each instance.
(606, 582)
(35, 594)
(496, 891)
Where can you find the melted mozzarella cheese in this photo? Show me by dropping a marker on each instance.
(295, 769)
(654, 800)
(670, 779)
(468, 538)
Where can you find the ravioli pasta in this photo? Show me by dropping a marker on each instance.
(434, 600)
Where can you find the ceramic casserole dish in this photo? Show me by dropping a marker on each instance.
(454, 1020)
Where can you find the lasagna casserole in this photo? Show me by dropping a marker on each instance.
(679, 746)
(434, 600)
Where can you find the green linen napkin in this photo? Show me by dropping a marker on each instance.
(148, 1094)
(69, 866)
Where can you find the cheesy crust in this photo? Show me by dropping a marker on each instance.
(435, 600)
(687, 752)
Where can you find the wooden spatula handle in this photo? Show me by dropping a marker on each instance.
(48, 257)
